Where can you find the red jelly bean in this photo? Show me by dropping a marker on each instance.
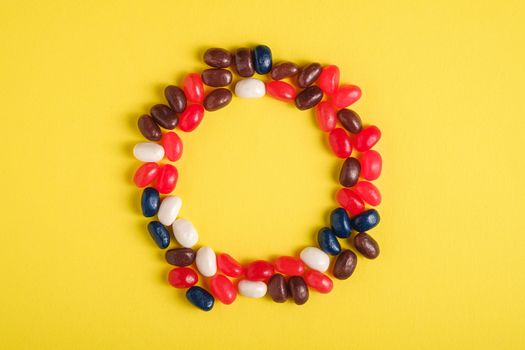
(349, 200)
(145, 174)
(367, 138)
(329, 79)
(326, 116)
(193, 88)
(229, 266)
(318, 281)
(281, 90)
(371, 164)
(172, 146)
(368, 192)
(167, 179)
(259, 270)
(182, 277)
(340, 143)
(223, 289)
(346, 95)
(289, 265)
(191, 117)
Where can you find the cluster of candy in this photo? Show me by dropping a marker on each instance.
(286, 277)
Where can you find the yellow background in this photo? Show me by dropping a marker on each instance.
(444, 81)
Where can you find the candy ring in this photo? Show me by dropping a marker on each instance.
(312, 86)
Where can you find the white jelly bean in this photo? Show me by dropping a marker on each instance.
(148, 152)
(250, 88)
(185, 233)
(252, 289)
(169, 209)
(315, 258)
(206, 261)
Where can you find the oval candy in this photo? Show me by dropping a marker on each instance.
(250, 88)
(193, 88)
(298, 290)
(217, 57)
(309, 75)
(172, 144)
(223, 289)
(308, 98)
(345, 264)
(350, 200)
(340, 223)
(329, 79)
(252, 289)
(145, 174)
(259, 270)
(350, 171)
(283, 70)
(169, 210)
(182, 277)
(371, 165)
(318, 281)
(217, 99)
(180, 256)
(277, 288)
(184, 232)
(164, 116)
(366, 245)
(160, 234)
(325, 116)
(315, 259)
(150, 202)
(244, 62)
(340, 143)
(365, 221)
(281, 90)
(229, 266)
(262, 58)
(350, 120)
(289, 265)
(176, 98)
(190, 119)
(148, 152)
(368, 192)
(200, 298)
(166, 179)
(328, 241)
(206, 261)
(216, 77)
(149, 129)
(346, 95)
(367, 138)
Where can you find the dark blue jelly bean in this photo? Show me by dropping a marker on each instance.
(340, 223)
(200, 298)
(262, 57)
(159, 233)
(328, 241)
(150, 202)
(365, 221)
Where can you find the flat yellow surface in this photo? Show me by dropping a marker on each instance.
(444, 81)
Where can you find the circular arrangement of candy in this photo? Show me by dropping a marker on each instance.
(287, 277)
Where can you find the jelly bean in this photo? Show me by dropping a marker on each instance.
(217, 99)
(216, 77)
(366, 245)
(350, 172)
(160, 234)
(176, 98)
(345, 264)
(284, 70)
(180, 256)
(329, 79)
(346, 95)
(172, 144)
(367, 138)
(185, 233)
(169, 209)
(191, 117)
(250, 88)
(350, 120)
(252, 289)
(193, 88)
(371, 165)
(200, 298)
(277, 288)
(368, 192)
(328, 241)
(340, 222)
(289, 265)
(148, 152)
(150, 202)
(308, 98)
(298, 290)
(281, 90)
(325, 116)
(349, 200)
(145, 174)
(166, 179)
(164, 116)
(262, 58)
(182, 277)
(223, 289)
(318, 281)
(206, 261)
(244, 62)
(148, 128)
(340, 143)
(309, 75)
(315, 258)
(229, 266)
(365, 221)
(259, 270)
(219, 58)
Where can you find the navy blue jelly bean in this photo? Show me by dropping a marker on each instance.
(340, 222)
(262, 57)
(328, 241)
(200, 298)
(159, 233)
(150, 202)
(365, 221)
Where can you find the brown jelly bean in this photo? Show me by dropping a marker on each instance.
(309, 97)
(284, 70)
(180, 256)
(366, 245)
(164, 116)
(298, 289)
(217, 99)
(149, 128)
(344, 265)
(219, 58)
(244, 62)
(216, 77)
(350, 172)
(176, 98)
(350, 120)
(277, 288)
(309, 75)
